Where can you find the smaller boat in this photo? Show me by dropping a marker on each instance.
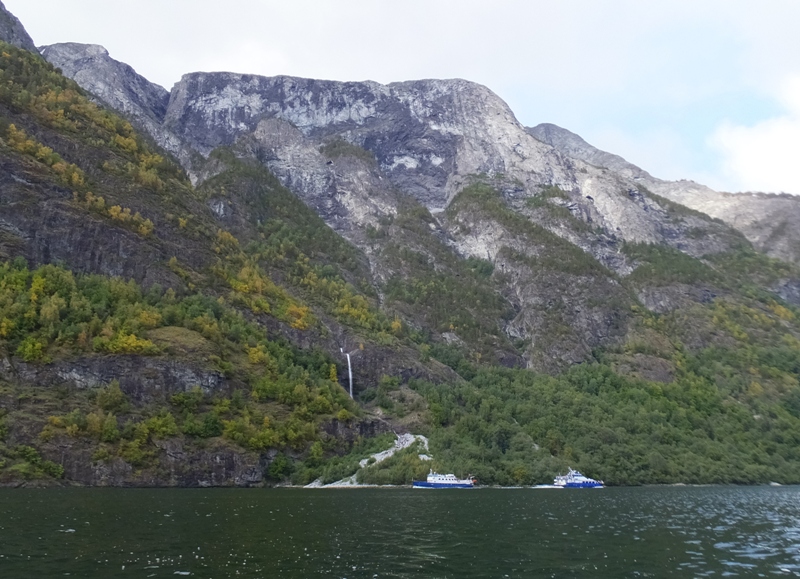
(443, 481)
(575, 480)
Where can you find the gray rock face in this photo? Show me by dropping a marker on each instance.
(120, 87)
(429, 139)
(426, 135)
(116, 83)
(574, 146)
(347, 192)
(142, 379)
(563, 312)
(218, 464)
(52, 229)
(788, 290)
(768, 221)
(351, 150)
(666, 299)
(12, 31)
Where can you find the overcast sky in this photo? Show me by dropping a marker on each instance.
(702, 90)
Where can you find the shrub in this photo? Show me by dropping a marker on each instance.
(111, 398)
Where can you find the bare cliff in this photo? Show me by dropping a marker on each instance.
(767, 220)
(12, 31)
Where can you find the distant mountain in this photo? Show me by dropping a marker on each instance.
(767, 220)
(575, 147)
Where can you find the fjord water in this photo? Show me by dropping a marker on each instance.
(613, 532)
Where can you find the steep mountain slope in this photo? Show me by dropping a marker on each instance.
(429, 138)
(12, 31)
(159, 329)
(401, 124)
(767, 220)
(351, 151)
(117, 85)
(575, 147)
(213, 327)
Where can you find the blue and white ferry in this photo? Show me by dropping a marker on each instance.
(575, 480)
(443, 481)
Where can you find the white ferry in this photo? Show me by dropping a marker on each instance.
(575, 480)
(443, 481)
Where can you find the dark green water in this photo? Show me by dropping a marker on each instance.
(615, 532)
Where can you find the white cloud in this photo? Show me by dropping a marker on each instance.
(764, 156)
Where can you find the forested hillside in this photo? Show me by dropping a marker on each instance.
(159, 332)
(102, 209)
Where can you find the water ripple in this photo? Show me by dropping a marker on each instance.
(370, 533)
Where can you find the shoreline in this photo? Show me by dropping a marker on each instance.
(68, 485)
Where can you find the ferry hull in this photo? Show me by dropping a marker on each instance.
(433, 485)
(583, 485)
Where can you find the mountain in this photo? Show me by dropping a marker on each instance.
(12, 31)
(767, 220)
(182, 275)
(575, 147)
(115, 84)
(427, 137)
(122, 246)
(350, 151)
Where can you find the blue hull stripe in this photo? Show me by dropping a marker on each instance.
(583, 485)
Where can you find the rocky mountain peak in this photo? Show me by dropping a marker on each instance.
(577, 148)
(767, 220)
(426, 135)
(120, 87)
(115, 83)
(426, 138)
(12, 31)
